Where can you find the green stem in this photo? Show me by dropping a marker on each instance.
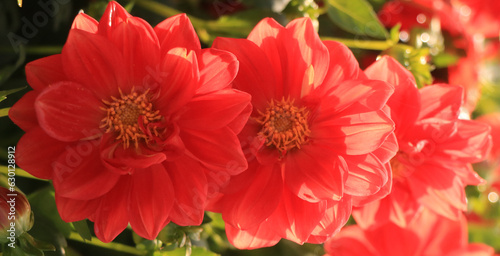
(112, 245)
(363, 44)
(19, 172)
(35, 50)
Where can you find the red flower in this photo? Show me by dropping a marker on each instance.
(426, 234)
(313, 139)
(133, 124)
(436, 148)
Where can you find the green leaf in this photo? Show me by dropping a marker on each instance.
(3, 94)
(195, 251)
(82, 228)
(4, 112)
(7, 71)
(443, 60)
(43, 205)
(394, 33)
(357, 17)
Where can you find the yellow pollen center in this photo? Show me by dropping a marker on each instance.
(284, 125)
(132, 117)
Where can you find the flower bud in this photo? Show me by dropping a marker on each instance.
(15, 215)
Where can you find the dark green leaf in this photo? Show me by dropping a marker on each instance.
(4, 112)
(3, 94)
(357, 17)
(43, 205)
(83, 229)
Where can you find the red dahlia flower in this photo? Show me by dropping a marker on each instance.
(436, 149)
(133, 124)
(427, 234)
(313, 141)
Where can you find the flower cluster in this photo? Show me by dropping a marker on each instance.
(281, 133)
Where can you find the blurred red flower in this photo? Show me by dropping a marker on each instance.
(313, 140)
(427, 234)
(133, 124)
(436, 149)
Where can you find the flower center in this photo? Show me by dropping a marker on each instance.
(284, 125)
(132, 117)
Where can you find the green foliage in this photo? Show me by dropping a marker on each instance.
(356, 17)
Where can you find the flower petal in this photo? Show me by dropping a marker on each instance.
(343, 65)
(112, 16)
(215, 110)
(405, 102)
(258, 192)
(85, 22)
(23, 112)
(190, 184)
(151, 199)
(94, 62)
(177, 31)
(314, 174)
(36, 151)
(295, 219)
(258, 237)
(366, 175)
(178, 80)
(336, 216)
(255, 75)
(216, 149)
(68, 112)
(112, 215)
(217, 70)
(441, 101)
(140, 49)
(72, 210)
(303, 49)
(79, 173)
(43, 72)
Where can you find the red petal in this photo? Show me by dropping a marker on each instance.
(352, 241)
(405, 102)
(72, 210)
(439, 190)
(384, 191)
(366, 175)
(265, 36)
(177, 31)
(79, 173)
(343, 65)
(336, 216)
(258, 192)
(94, 62)
(112, 16)
(217, 70)
(216, 149)
(303, 49)
(441, 101)
(112, 216)
(126, 160)
(36, 152)
(45, 71)
(314, 174)
(295, 219)
(69, 112)
(23, 112)
(255, 75)
(85, 22)
(215, 110)
(140, 49)
(151, 198)
(258, 237)
(352, 134)
(190, 184)
(179, 79)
